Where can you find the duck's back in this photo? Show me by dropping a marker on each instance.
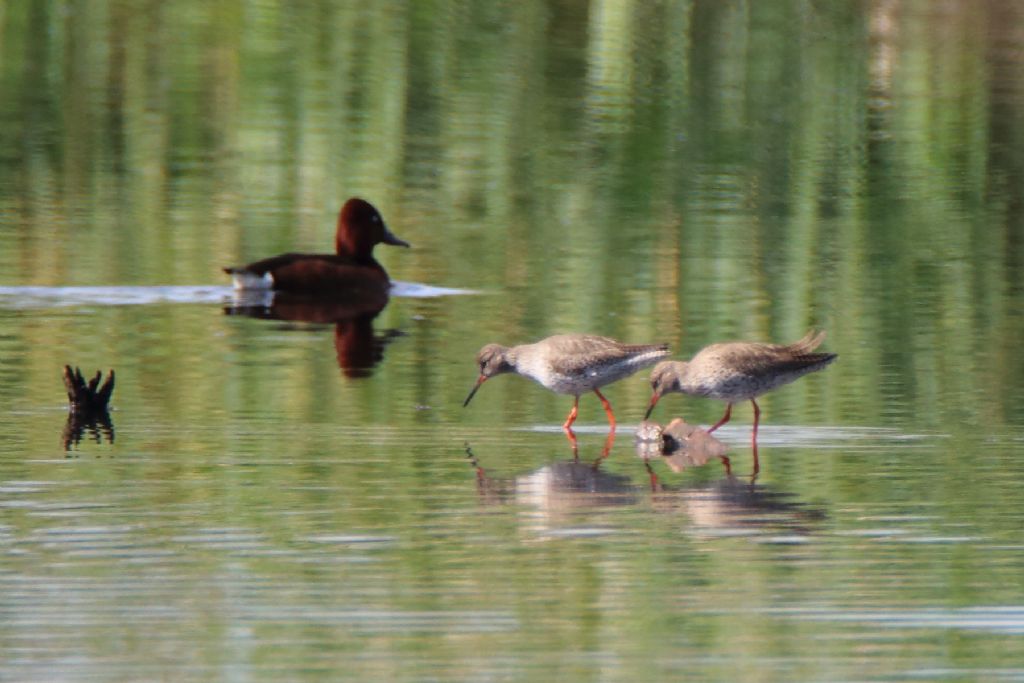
(312, 273)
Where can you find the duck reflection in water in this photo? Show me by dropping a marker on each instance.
(88, 408)
(357, 347)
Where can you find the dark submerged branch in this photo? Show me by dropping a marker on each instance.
(88, 398)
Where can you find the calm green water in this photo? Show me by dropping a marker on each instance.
(284, 500)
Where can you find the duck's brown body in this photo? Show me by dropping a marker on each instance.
(352, 270)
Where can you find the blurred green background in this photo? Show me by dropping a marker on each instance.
(685, 172)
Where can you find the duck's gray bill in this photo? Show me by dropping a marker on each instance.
(390, 238)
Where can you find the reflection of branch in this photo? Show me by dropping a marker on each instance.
(98, 426)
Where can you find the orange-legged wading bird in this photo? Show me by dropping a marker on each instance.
(569, 364)
(738, 371)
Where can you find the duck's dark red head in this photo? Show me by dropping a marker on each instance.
(361, 228)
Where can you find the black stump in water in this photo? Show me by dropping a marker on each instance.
(89, 407)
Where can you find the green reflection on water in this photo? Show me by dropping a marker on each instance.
(686, 172)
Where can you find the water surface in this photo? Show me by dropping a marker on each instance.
(297, 493)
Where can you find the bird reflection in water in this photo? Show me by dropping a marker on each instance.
(89, 411)
(554, 493)
(679, 445)
(574, 445)
(357, 347)
(734, 507)
(728, 506)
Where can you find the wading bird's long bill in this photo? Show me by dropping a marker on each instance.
(472, 391)
(650, 406)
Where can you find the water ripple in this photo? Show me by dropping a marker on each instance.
(1002, 619)
(792, 436)
(25, 298)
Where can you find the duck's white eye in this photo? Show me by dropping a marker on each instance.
(376, 218)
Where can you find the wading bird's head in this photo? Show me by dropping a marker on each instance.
(665, 378)
(493, 360)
